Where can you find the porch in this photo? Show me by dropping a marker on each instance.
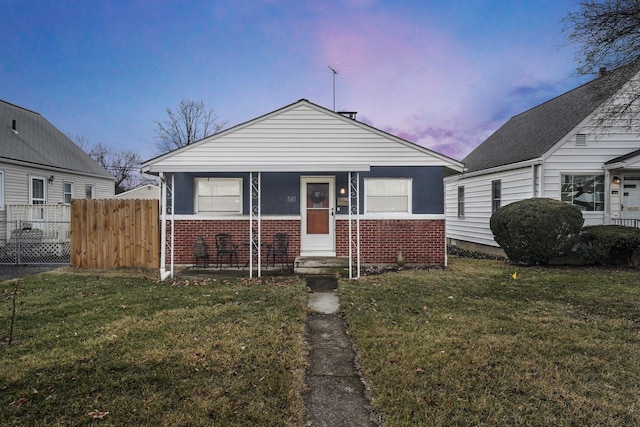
(308, 266)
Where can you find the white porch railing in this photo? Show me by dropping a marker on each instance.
(38, 213)
(53, 220)
(627, 222)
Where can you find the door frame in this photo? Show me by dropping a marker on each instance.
(312, 245)
(625, 213)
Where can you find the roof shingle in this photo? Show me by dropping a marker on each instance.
(530, 134)
(38, 142)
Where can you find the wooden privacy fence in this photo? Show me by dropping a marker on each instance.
(115, 233)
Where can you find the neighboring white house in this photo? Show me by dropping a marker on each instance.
(146, 191)
(570, 148)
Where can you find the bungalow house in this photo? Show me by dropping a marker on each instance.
(336, 186)
(41, 170)
(582, 147)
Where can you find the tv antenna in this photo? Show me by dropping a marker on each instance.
(333, 70)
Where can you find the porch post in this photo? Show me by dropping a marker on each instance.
(255, 242)
(354, 194)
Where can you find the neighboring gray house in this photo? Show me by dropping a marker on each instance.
(570, 148)
(40, 165)
(41, 170)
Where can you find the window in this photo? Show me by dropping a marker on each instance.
(37, 191)
(218, 195)
(461, 202)
(68, 191)
(387, 195)
(496, 194)
(583, 191)
(1, 190)
(90, 191)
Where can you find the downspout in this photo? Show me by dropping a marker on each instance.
(541, 180)
(607, 196)
(163, 239)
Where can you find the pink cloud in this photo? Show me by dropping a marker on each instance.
(425, 84)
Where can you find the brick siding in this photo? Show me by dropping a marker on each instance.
(422, 241)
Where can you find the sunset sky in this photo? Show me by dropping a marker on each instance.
(441, 74)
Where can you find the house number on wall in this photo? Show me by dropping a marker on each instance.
(291, 199)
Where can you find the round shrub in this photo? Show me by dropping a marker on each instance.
(532, 231)
(609, 245)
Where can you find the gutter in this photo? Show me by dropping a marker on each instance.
(503, 168)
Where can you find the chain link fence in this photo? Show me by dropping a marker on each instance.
(35, 242)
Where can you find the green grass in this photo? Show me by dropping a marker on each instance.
(225, 352)
(470, 345)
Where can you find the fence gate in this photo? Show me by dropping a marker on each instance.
(35, 242)
(114, 233)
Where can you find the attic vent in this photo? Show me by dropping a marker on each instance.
(14, 127)
(581, 139)
(348, 114)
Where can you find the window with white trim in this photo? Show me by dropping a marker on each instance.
(1, 190)
(218, 195)
(584, 191)
(68, 192)
(496, 195)
(90, 191)
(387, 195)
(37, 190)
(461, 201)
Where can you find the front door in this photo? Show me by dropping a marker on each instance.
(631, 197)
(317, 237)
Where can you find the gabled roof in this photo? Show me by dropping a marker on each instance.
(299, 137)
(624, 157)
(37, 142)
(532, 133)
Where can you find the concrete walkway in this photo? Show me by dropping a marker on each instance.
(335, 393)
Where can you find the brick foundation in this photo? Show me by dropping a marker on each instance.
(422, 241)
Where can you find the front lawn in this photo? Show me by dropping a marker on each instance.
(469, 345)
(472, 345)
(127, 350)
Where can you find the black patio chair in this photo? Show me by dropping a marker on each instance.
(200, 253)
(279, 249)
(225, 246)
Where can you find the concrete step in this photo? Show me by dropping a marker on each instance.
(321, 265)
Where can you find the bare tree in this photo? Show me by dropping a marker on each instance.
(191, 122)
(80, 140)
(607, 32)
(123, 165)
